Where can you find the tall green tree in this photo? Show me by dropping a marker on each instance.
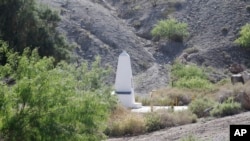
(25, 23)
(52, 102)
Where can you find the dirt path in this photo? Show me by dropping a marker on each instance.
(213, 130)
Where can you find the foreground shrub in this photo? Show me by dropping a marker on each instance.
(123, 122)
(227, 108)
(167, 118)
(244, 39)
(49, 102)
(153, 122)
(200, 105)
(170, 118)
(170, 29)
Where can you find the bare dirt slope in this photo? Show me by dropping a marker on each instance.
(97, 31)
(213, 130)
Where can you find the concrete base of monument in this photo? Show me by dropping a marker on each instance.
(146, 109)
(128, 102)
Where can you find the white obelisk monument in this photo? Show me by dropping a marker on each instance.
(124, 82)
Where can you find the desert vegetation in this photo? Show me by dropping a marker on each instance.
(28, 24)
(244, 39)
(170, 29)
(125, 123)
(44, 97)
(189, 76)
(50, 102)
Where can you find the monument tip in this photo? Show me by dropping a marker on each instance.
(124, 53)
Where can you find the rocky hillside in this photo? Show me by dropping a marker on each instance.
(106, 27)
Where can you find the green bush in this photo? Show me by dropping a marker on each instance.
(193, 83)
(199, 105)
(189, 76)
(227, 108)
(170, 29)
(244, 39)
(187, 71)
(25, 23)
(153, 122)
(51, 102)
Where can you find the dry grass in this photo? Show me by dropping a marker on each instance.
(177, 118)
(166, 118)
(125, 123)
(167, 97)
(240, 93)
(175, 96)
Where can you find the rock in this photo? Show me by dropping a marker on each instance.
(244, 99)
(236, 68)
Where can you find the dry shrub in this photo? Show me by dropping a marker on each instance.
(240, 93)
(123, 122)
(170, 118)
(244, 97)
(199, 106)
(146, 101)
(229, 107)
(166, 118)
(172, 96)
(153, 122)
(227, 91)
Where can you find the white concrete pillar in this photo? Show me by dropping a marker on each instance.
(124, 87)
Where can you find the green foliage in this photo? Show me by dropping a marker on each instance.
(193, 83)
(24, 23)
(189, 76)
(51, 102)
(199, 105)
(153, 122)
(229, 107)
(170, 29)
(187, 71)
(244, 39)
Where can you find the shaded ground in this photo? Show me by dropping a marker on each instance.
(212, 130)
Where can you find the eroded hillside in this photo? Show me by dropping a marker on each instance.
(106, 27)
